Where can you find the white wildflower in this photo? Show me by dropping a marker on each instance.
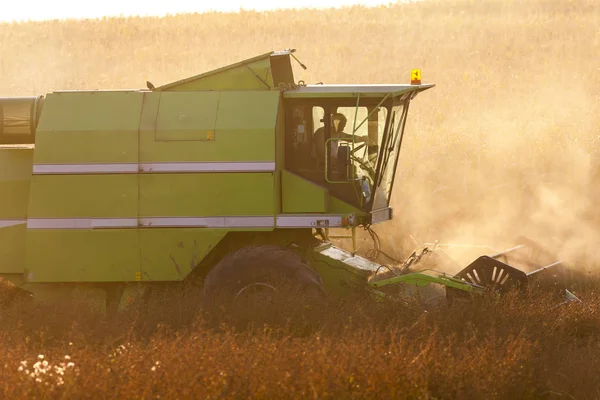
(46, 373)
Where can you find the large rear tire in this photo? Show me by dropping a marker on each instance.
(267, 279)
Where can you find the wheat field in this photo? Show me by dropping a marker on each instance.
(506, 144)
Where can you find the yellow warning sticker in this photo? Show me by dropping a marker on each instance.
(138, 276)
(209, 135)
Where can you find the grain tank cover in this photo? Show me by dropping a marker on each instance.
(19, 117)
(264, 72)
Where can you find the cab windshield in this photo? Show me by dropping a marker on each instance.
(389, 156)
(350, 148)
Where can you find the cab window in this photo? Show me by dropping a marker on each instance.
(321, 146)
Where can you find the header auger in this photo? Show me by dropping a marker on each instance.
(233, 178)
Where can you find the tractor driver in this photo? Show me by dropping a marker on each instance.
(338, 123)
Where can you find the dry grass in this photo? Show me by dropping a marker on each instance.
(512, 348)
(504, 145)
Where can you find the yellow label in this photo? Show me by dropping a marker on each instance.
(415, 75)
(209, 135)
(138, 276)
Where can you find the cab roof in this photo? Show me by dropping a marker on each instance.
(348, 90)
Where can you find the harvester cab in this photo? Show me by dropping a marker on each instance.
(347, 138)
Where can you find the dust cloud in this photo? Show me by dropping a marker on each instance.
(525, 166)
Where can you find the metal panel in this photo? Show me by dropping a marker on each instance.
(311, 221)
(346, 90)
(12, 246)
(244, 131)
(253, 73)
(82, 255)
(300, 195)
(357, 262)
(170, 254)
(91, 111)
(186, 116)
(184, 195)
(210, 222)
(89, 127)
(86, 147)
(15, 175)
(337, 206)
(384, 214)
(84, 196)
(85, 128)
(246, 111)
(194, 192)
(340, 270)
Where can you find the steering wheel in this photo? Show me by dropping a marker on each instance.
(363, 144)
(364, 166)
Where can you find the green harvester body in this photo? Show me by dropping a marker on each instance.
(107, 188)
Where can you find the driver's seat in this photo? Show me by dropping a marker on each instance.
(318, 146)
(342, 161)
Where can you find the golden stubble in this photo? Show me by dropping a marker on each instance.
(504, 145)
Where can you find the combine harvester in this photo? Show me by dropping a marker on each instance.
(231, 177)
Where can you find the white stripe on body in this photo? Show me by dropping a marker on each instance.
(153, 167)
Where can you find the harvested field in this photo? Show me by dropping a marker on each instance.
(506, 144)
